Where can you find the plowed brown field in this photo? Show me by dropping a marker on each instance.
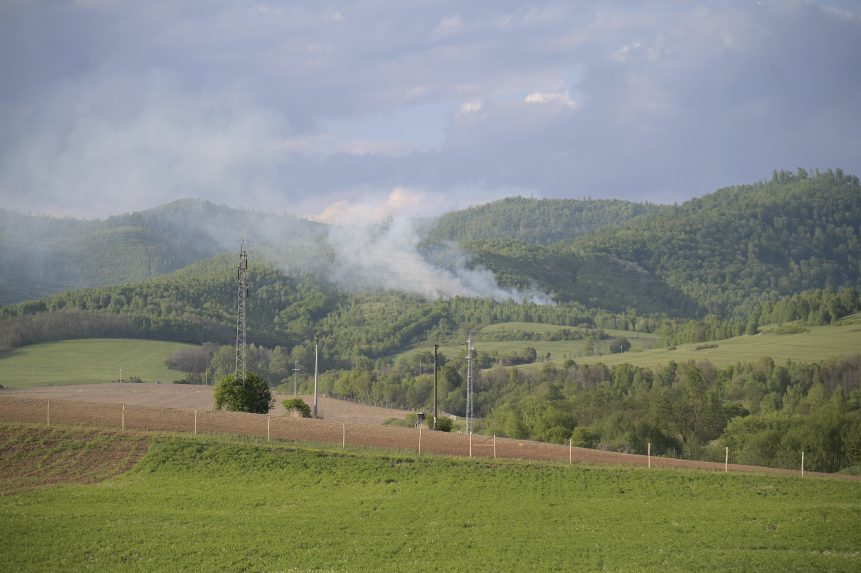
(197, 398)
(268, 426)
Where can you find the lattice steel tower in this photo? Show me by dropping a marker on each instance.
(241, 297)
(469, 385)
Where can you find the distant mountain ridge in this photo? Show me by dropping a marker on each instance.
(537, 221)
(720, 253)
(44, 255)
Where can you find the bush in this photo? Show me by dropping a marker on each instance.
(250, 395)
(584, 438)
(297, 405)
(443, 423)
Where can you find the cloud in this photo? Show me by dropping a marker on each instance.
(553, 98)
(109, 107)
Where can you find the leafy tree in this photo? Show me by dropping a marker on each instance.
(297, 405)
(249, 395)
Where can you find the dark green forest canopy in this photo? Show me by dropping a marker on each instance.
(744, 244)
(536, 221)
(722, 253)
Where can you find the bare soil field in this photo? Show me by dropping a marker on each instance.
(39, 410)
(32, 460)
(192, 397)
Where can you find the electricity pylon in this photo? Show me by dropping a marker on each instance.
(241, 297)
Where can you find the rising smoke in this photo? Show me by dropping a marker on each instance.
(359, 246)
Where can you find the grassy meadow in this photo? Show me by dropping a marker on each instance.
(220, 504)
(817, 343)
(87, 361)
(560, 350)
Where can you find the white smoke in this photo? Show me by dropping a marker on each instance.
(375, 246)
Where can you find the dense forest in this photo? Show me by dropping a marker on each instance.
(536, 221)
(742, 245)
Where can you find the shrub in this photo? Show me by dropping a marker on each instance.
(250, 395)
(443, 423)
(297, 405)
(584, 438)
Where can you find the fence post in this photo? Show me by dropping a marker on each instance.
(649, 453)
(470, 444)
(123, 425)
(420, 440)
(726, 460)
(343, 435)
(494, 446)
(802, 463)
(570, 451)
(268, 421)
(49, 412)
(195, 422)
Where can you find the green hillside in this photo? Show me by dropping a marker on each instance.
(87, 361)
(749, 243)
(813, 344)
(205, 504)
(537, 221)
(594, 280)
(44, 255)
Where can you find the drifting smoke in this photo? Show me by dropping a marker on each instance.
(379, 250)
(386, 257)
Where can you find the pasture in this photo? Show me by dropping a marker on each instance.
(559, 350)
(817, 343)
(224, 504)
(88, 361)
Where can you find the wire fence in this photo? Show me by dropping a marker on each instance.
(289, 428)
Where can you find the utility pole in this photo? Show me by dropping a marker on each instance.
(469, 389)
(296, 370)
(241, 296)
(435, 350)
(316, 343)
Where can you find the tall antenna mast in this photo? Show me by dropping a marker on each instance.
(469, 388)
(241, 297)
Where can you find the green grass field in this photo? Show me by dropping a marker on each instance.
(87, 361)
(559, 350)
(818, 343)
(220, 504)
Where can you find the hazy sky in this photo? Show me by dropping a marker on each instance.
(347, 109)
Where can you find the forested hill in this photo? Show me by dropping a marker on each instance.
(747, 243)
(538, 221)
(44, 255)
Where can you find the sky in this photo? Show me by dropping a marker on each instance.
(346, 110)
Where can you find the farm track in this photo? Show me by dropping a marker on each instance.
(151, 418)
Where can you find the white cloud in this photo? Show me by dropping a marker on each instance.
(471, 106)
(554, 98)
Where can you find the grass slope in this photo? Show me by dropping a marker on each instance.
(559, 349)
(818, 343)
(87, 361)
(210, 504)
